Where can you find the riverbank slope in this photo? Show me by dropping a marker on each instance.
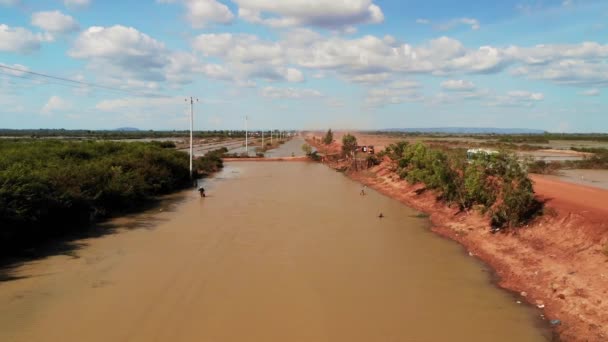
(558, 263)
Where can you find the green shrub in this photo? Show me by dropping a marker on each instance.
(307, 149)
(329, 137)
(49, 187)
(349, 144)
(497, 182)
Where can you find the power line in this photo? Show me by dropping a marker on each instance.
(42, 81)
(73, 82)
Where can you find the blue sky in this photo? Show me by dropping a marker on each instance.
(305, 64)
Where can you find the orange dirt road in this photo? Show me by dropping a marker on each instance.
(568, 197)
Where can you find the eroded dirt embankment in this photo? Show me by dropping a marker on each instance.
(558, 263)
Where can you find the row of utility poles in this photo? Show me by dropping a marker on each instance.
(281, 135)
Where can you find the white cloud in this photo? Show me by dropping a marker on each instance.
(55, 104)
(591, 92)
(459, 96)
(370, 78)
(139, 103)
(122, 51)
(293, 75)
(290, 93)
(54, 22)
(18, 39)
(384, 96)
(327, 14)
(246, 56)
(76, 4)
(583, 73)
(473, 23)
(243, 48)
(201, 13)
(526, 95)
(458, 85)
(423, 21)
(404, 84)
(516, 98)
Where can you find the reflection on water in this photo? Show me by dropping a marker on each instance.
(277, 252)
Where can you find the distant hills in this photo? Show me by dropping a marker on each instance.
(466, 130)
(127, 129)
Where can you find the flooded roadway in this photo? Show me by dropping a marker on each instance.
(277, 252)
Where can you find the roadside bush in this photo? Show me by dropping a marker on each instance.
(307, 149)
(372, 160)
(497, 183)
(314, 156)
(211, 162)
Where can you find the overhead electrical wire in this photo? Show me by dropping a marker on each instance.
(71, 82)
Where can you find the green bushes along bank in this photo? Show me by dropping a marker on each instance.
(49, 187)
(495, 183)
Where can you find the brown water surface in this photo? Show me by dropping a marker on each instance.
(277, 252)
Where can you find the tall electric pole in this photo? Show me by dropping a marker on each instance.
(246, 138)
(262, 139)
(192, 99)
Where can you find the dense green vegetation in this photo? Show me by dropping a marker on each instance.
(329, 137)
(117, 134)
(50, 187)
(210, 163)
(496, 184)
(349, 144)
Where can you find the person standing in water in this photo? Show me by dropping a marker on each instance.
(201, 190)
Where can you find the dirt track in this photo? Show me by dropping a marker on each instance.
(572, 198)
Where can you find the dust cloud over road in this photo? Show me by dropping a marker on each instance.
(277, 252)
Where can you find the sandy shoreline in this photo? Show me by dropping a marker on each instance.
(556, 263)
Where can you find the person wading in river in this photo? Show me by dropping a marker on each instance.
(201, 190)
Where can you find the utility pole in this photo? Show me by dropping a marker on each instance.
(246, 138)
(263, 139)
(191, 130)
(270, 137)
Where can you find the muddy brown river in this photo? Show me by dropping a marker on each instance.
(277, 252)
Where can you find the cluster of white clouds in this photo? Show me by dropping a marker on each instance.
(456, 91)
(333, 15)
(246, 59)
(129, 58)
(21, 40)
